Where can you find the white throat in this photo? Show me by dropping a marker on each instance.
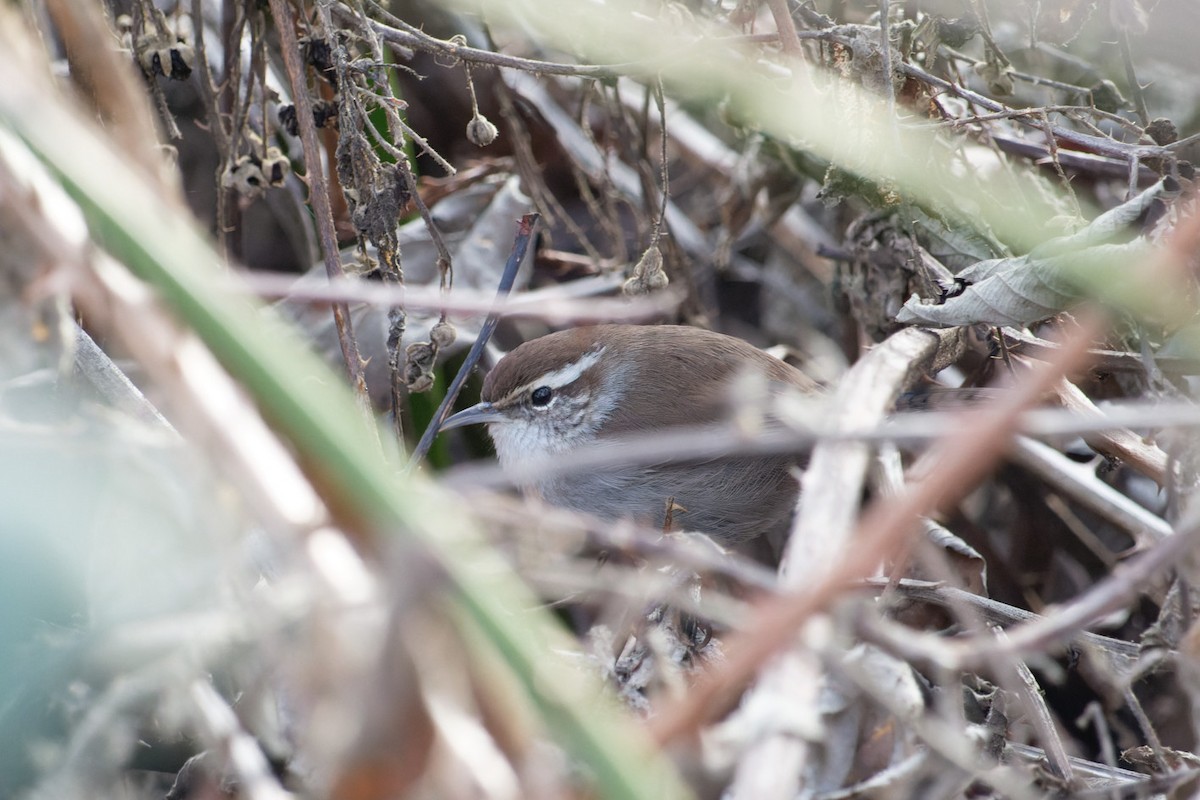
(570, 422)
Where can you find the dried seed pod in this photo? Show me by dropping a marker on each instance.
(1107, 97)
(418, 371)
(245, 175)
(648, 274)
(287, 119)
(420, 383)
(181, 57)
(442, 334)
(319, 53)
(1162, 131)
(170, 58)
(323, 112)
(275, 167)
(480, 131)
(957, 32)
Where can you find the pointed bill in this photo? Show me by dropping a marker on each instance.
(475, 415)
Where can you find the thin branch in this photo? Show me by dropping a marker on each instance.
(1030, 694)
(319, 194)
(240, 751)
(456, 51)
(787, 29)
(1079, 482)
(1135, 87)
(1100, 144)
(885, 44)
(1143, 721)
(525, 230)
(687, 443)
(1109, 595)
(563, 303)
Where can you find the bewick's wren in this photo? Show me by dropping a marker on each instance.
(562, 392)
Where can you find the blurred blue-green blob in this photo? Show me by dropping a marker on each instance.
(41, 601)
(104, 522)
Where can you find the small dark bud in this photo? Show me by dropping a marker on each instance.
(182, 57)
(319, 54)
(1162, 131)
(323, 112)
(418, 371)
(287, 119)
(1107, 97)
(957, 32)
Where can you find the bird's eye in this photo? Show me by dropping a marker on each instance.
(542, 396)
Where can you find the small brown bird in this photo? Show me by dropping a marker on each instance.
(563, 392)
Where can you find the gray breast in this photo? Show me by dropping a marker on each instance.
(724, 498)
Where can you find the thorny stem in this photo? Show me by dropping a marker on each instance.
(410, 37)
(319, 192)
(1034, 112)
(207, 91)
(1100, 144)
(661, 104)
(398, 128)
(138, 20)
(228, 214)
(396, 123)
(402, 163)
(885, 44)
(1052, 146)
(471, 89)
(1135, 88)
(787, 28)
(358, 167)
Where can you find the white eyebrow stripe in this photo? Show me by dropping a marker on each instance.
(564, 376)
